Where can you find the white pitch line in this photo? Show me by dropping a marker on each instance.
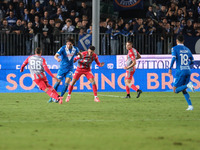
(143, 95)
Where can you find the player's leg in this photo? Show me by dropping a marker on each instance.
(43, 85)
(128, 76)
(67, 81)
(60, 75)
(90, 77)
(130, 85)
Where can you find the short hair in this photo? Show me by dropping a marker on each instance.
(70, 40)
(130, 42)
(38, 50)
(180, 38)
(92, 48)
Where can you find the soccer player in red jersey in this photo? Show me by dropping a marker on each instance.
(132, 55)
(84, 68)
(37, 66)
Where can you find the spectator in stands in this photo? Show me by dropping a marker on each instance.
(85, 25)
(196, 29)
(11, 19)
(150, 29)
(58, 15)
(26, 15)
(52, 23)
(38, 9)
(150, 13)
(181, 14)
(72, 16)
(168, 30)
(139, 27)
(56, 33)
(161, 13)
(188, 29)
(11, 8)
(18, 28)
(172, 12)
(114, 40)
(4, 30)
(37, 25)
(46, 36)
(85, 10)
(126, 30)
(160, 32)
(32, 15)
(51, 8)
(71, 5)
(45, 16)
(191, 16)
(120, 24)
(178, 29)
(64, 9)
(78, 27)
(68, 27)
(29, 33)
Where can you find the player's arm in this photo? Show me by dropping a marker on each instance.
(138, 55)
(98, 63)
(47, 69)
(131, 65)
(77, 58)
(80, 55)
(172, 61)
(24, 64)
(191, 59)
(56, 57)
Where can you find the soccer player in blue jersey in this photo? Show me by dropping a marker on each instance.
(67, 53)
(183, 57)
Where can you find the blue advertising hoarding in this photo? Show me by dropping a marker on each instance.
(151, 74)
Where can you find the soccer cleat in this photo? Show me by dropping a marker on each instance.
(60, 100)
(138, 93)
(96, 99)
(68, 98)
(50, 100)
(127, 96)
(190, 107)
(190, 86)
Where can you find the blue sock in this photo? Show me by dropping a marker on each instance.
(187, 98)
(181, 88)
(64, 89)
(56, 85)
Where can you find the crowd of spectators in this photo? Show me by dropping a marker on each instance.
(53, 17)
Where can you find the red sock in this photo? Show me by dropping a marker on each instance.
(134, 87)
(70, 89)
(94, 87)
(127, 90)
(52, 93)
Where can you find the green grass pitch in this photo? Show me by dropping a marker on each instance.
(155, 121)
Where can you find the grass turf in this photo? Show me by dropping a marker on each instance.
(155, 121)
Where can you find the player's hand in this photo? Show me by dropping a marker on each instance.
(56, 79)
(58, 59)
(21, 70)
(102, 64)
(125, 68)
(170, 72)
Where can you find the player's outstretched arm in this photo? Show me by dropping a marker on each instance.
(24, 64)
(102, 64)
(56, 57)
(138, 55)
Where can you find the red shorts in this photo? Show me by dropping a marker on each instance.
(129, 74)
(78, 73)
(42, 83)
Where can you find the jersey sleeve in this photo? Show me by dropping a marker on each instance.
(97, 60)
(24, 64)
(173, 52)
(44, 64)
(131, 55)
(60, 51)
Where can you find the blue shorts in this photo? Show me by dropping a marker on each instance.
(181, 78)
(64, 74)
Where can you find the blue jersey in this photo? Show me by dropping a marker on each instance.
(67, 57)
(183, 57)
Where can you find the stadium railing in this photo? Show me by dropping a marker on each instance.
(21, 44)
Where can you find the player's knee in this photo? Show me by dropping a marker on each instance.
(184, 92)
(45, 89)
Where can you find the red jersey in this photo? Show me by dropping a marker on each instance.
(85, 62)
(132, 54)
(37, 66)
